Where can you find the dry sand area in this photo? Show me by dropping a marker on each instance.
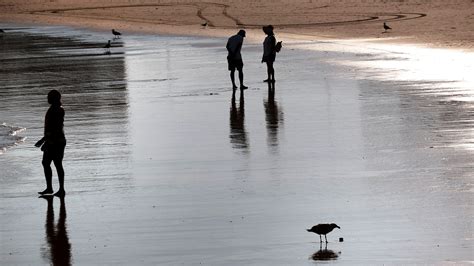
(437, 23)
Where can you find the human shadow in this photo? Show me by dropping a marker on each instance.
(238, 134)
(57, 239)
(273, 116)
(324, 254)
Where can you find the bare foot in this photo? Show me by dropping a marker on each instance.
(46, 191)
(60, 193)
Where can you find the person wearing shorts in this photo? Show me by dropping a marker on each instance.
(53, 143)
(234, 58)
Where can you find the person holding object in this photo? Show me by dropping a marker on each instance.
(53, 143)
(270, 48)
(234, 58)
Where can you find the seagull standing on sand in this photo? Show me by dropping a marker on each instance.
(323, 229)
(107, 46)
(386, 27)
(116, 33)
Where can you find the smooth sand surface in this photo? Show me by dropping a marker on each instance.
(433, 23)
(165, 166)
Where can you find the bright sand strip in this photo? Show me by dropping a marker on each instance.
(434, 23)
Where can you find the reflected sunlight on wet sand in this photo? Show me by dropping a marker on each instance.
(165, 165)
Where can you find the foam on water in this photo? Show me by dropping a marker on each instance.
(9, 136)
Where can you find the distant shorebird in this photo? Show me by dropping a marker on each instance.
(116, 33)
(386, 27)
(107, 47)
(204, 24)
(322, 229)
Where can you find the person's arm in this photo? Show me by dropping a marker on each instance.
(232, 53)
(239, 46)
(40, 142)
(43, 139)
(273, 44)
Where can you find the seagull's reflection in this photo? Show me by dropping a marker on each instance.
(56, 235)
(273, 116)
(325, 254)
(238, 135)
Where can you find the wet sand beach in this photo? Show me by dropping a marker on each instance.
(165, 166)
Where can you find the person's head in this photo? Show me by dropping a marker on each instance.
(54, 97)
(268, 29)
(241, 33)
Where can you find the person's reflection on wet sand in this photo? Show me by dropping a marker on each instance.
(324, 254)
(238, 135)
(56, 236)
(273, 116)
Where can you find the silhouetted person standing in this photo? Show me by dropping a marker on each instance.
(53, 143)
(234, 58)
(269, 52)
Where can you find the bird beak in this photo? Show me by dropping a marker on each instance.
(338, 227)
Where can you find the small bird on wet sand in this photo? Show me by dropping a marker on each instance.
(116, 33)
(204, 24)
(107, 47)
(386, 27)
(323, 229)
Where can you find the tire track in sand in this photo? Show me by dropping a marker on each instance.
(200, 9)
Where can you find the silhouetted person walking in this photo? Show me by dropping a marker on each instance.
(234, 58)
(53, 143)
(269, 52)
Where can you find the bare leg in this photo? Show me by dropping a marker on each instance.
(60, 170)
(241, 79)
(232, 78)
(270, 72)
(48, 174)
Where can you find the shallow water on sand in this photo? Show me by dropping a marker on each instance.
(164, 165)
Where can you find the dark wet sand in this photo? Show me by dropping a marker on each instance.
(163, 166)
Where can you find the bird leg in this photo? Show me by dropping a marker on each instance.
(320, 239)
(326, 239)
